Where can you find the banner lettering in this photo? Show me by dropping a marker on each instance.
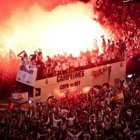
(70, 76)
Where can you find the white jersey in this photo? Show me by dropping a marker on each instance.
(56, 121)
(83, 62)
(57, 68)
(70, 121)
(65, 66)
(76, 64)
(93, 60)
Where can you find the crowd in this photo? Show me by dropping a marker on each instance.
(104, 113)
(59, 64)
(122, 19)
(111, 52)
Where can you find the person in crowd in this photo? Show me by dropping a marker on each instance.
(102, 115)
(40, 66)
(24, 58)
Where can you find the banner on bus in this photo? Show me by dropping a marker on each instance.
(27, 74)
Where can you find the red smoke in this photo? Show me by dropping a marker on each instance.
(33, 24)
(8, 7)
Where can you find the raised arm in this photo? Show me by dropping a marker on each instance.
(77, 135)
(19, 54)
(70, 134)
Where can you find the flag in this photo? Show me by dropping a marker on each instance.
(25, 106)
(118, 96)
(10, 106)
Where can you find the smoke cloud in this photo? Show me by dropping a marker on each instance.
(55, 27)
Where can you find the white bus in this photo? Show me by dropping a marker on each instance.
(69, 82)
